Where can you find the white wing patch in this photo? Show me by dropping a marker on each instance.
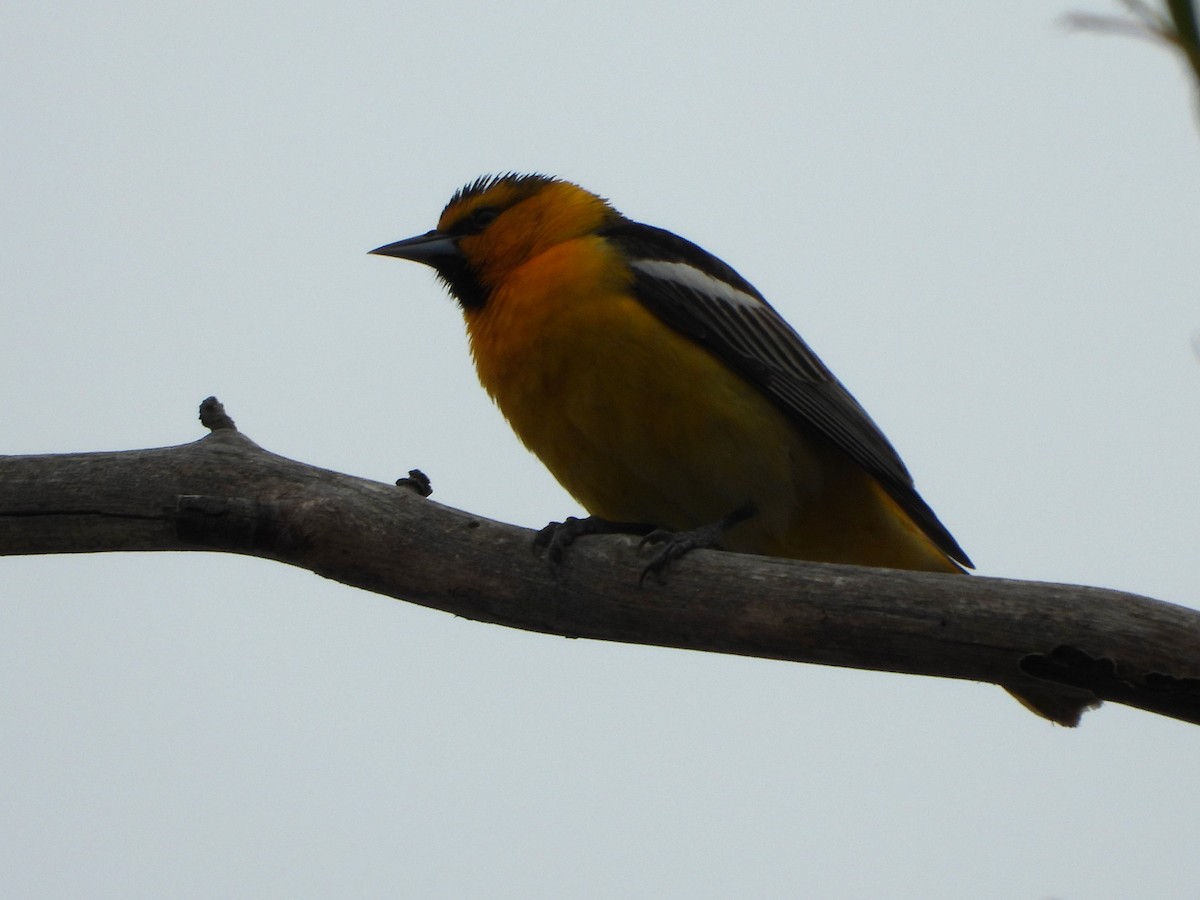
(688, 276)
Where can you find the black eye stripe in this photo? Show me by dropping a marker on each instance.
(475, 222)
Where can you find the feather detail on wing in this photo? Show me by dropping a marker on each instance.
(700, 296)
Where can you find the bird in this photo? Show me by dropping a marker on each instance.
(668, 396)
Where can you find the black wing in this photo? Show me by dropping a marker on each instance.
(702, 297)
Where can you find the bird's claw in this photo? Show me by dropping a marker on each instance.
(672, 545)
(677, 544)
(556, 537)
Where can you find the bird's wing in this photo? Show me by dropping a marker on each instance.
(700, 296)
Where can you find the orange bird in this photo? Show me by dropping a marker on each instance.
(668, 396)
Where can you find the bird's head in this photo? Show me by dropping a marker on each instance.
(497, 223)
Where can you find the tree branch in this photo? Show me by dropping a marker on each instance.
(225, 493)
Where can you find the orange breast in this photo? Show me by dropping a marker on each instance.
(641, 424)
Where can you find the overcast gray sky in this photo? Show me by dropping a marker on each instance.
(985, 224)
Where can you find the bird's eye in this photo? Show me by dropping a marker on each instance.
(482, 218)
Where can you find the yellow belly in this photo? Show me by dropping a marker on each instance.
(640, 424)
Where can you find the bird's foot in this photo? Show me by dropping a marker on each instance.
(556, 537)
(673, 545)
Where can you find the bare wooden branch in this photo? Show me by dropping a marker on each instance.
(225, 493)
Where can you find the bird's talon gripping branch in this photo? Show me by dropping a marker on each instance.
(556, 537)
(677, 544)
(657, 536)
(672, 545)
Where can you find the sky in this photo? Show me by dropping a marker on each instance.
(985, 223)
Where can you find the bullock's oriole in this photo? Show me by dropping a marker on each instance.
(663, 391)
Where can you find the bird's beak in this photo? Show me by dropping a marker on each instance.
(431, 248)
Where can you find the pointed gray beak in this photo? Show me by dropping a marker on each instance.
(430, 248)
